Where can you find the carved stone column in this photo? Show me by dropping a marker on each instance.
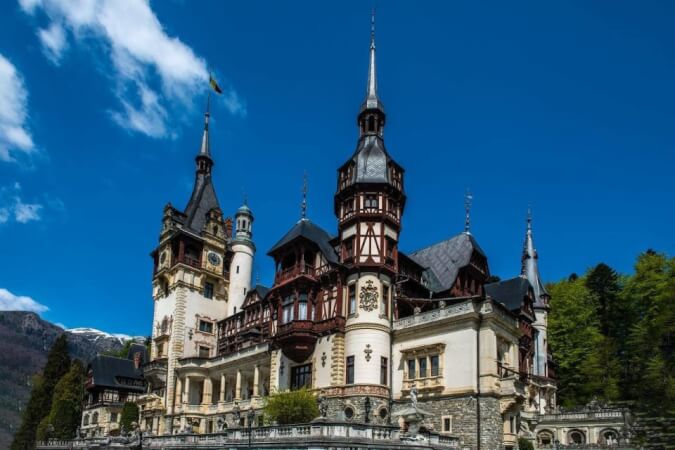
(237, 386)
(222, 387)
(256, 381)
(186, 395)
(208, 391)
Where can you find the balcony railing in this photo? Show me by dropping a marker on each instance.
(294, 272)
(190, 261)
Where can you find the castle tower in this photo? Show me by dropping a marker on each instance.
(369, 204)
(241, 266)
(530, 271)
(190, 282)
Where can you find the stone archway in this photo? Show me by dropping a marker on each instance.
(576, 437)
(608, 436)
(545, 437)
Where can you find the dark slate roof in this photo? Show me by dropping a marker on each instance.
(108, 369)
(261, 290)
(372, 161)
(509, 292)
(305, 228)
(443, 260)
(202, 201)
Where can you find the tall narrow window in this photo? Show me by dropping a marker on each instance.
(302, 307)
(352, 298)
(208, 290)
(287, 313)
(371, 201)
(411, 369)
(384, 368)
(384, 308)
(422, 367)
(349, 248)
(350, 370)
(435, 366)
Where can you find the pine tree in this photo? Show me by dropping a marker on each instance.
(66, 409)
(40, 402)
(651, 343)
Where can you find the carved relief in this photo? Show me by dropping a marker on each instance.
(368, 296)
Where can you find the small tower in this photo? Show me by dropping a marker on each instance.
(241, 267)
(530, 271)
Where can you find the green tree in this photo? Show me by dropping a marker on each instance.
(651, 342)
(66, 409)
(122, 352)
(289, 407)
(40, 401)
(129, 416)
(525, 444)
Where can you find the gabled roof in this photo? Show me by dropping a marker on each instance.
(308, 230)
(444, 260)
(509, 292)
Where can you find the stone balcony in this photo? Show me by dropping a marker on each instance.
(435, 315)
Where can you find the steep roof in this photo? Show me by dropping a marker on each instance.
(308, 230)
(444, 259)
(202, 201)
(372, 161)
(530, 267)
(108, 371)
(509, 292)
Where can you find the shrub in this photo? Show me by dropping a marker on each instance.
(290, 407)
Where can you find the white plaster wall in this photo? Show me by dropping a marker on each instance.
(322, 372)
(541, 325)
(376, 316)
(355, 343)
(458, 363)
(243, 258)
(196, 306)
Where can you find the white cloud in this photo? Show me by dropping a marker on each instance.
(154, 73)
(53, 41)
(14, 135)
(11, 302)
(14, 208)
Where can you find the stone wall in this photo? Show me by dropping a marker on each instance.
(462, 411)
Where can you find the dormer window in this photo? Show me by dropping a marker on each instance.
(371, 201)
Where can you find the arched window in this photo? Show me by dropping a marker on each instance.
(85, 421)
(94, 418)
(576, 437)
(545, 437)
(608, 437)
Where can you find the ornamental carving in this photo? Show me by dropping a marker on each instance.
(368, 296)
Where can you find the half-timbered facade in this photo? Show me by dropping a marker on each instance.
(348, 314)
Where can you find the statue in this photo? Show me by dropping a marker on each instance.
(323, 406)
(413, 395)
(366, 409)
(220, 423)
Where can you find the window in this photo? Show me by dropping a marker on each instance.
(391, 244)
(94, 418)
(512, 424)
(422, 367)
(446, 422)
(237, 269)
(384, 308)
(349, 248)
(350, 370)
(411, 369)
(371, 201)
(352, 298)
(244, 291)
(349, 206)
(349, 413)
(435, 365)
(85, 421)
(302, 307)
(160, 350)
(301, 376)
(204, 352)
(113, 417)
(287, 312)
(205, 327)
(384, 369)
(208, 290)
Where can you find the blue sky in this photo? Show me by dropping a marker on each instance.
(566, 106)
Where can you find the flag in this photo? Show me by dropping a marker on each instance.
(214, 84)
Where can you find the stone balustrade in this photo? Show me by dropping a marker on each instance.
(318, 435)
(434, 315)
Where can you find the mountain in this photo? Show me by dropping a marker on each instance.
(25, 340)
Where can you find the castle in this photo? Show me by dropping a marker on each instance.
(349, 316)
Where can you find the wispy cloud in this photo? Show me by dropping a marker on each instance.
(14, 208)
(12, 302)
(154, 74)
(15, 138)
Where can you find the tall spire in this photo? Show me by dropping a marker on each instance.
(530, 265)
(205, 149)
(372, 101)
(468, 198)
(303, 205)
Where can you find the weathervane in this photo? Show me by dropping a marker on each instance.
(468, 197)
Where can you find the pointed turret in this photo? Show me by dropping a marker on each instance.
(530, 267)
(372, 101)
(203, 197)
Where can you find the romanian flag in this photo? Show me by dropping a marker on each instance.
(214, 84)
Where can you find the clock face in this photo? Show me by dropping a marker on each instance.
(214, 258)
